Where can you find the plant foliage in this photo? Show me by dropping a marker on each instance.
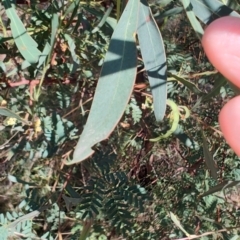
(109, 122)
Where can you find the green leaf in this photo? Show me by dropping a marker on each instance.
(94, 209)
(73, 7)
(173, 11)
(4, 232)
(69, 201)
(25, 44)
(104, 19)
(191, 86)
(163, 3)
(14, 179)
(114, 87)
(43, 57)
(8, 113)
(154, 58)
(220, 81)
(54, 25)
(219, 187)
(209, 10)
(97, 203)
(177, 223)
(209, 159)
(192, 18)
(112, 22)
(75, 58)
(9, 216)
(28, 216)
(185, 139)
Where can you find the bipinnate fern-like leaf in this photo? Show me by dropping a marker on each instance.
(57, 129)
(16, 224)
(64, 98)
(110, 195)
(114, 197)
(92, 199)
(135, 111)
(211, 203)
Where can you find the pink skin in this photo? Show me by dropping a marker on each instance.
(221, 43)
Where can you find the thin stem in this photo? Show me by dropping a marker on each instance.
(118, 9)
(86, 229)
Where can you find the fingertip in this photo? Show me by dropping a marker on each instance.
(229, 120)
(221, 43)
